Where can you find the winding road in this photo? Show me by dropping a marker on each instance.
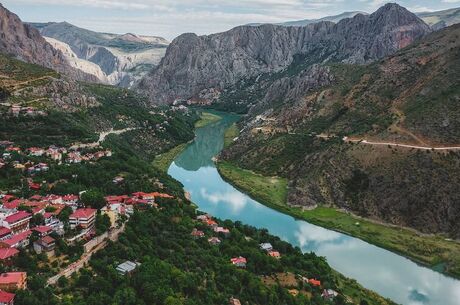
(364, 141)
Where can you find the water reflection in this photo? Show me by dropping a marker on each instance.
(388, 274)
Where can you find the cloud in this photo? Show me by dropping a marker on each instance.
(236, 199)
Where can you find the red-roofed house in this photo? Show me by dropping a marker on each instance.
(7, 255)
(17, 241)
(314, 282)
(12, 281)
(4, 233)
(13, 204)
(6, 298)
(82, 217)
(36, 151)
(45, 245)
(274, 254)
(197, 233)
(42, 230)
(17, 222)
(221, 230)
(70, 199)
(239, 262)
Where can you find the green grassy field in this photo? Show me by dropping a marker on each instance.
(267, 189)
(206, 119)
(231, 133)
(430, 250)
(163, 161)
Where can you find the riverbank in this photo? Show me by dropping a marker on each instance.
(207, 118)
(230, 134)
(163, 161)
(431, 251)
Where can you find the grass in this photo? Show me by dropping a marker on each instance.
(206, 119)
(163, 161)
(231, 133)
(266, 189)
(429, 250)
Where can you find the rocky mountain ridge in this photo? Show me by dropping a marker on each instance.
(25, 43)
(122, 59)
(195, 64)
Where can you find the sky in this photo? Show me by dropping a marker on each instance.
(170, 18)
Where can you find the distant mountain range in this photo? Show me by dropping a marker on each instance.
(114, 59)
(437, 19)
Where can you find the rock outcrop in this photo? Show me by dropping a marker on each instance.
(194, 63)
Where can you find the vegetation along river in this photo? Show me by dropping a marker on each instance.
(389, 274)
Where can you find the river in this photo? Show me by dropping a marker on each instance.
(387, 273)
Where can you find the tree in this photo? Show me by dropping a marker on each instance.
(102, 223)
(37, 220)
(93, 198)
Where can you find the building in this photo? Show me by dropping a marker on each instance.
(42, 230)
(214, 241)
(70, 200)
(17, 222)
(127, 267)
(7, 255)
(83, 218)
(45, 245)
(197, 233)
(5, 233)
(17, 241)
(239, 262)
(314, 282)
(6, 298)
(54, 223)
(223, 231)
(234, 301)
(11, 281)
(266, 246)
(274, 254)
(329, 294)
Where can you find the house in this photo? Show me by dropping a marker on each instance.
(54, 199)
(203, 218)
(314, 282)
(266, 246)
(45, 245)
(17, 222)
(74, 157)
(7, 255)
(36, 151)
(42, 230)
(118, 180)
(197, 233)
(127, 267)
(221, 230)
(5, 233)
(234, 301)
(274, 254)
(17, 241)
(70, 199)
(210, 223)
(239, 262)
(6, 298)
(54, 223)
(214, 241)
(13, 149)
(34, 186)
(329, 294)
(11, 281)
(82, 217)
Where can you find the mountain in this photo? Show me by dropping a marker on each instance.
(410, 97)
(335, 19)
(200, 67)
(441, 19)
(122, 59)
(25, 42)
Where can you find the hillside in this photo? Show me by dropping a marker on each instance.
(440, 19)
(303, 22)
(409, 98)
(200, 68)
(121, 59)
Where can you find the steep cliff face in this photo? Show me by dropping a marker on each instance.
(24, 42)
(123, 59)
(196, 63)
(410, 97)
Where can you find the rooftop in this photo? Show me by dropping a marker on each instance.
(6, 297)
(12, 277)
(127, 267)
(17, 216)
(6, 253)
(83, 213)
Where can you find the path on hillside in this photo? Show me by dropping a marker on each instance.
(102, 136)
(364, 141)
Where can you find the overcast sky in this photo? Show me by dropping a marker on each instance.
(170, 18)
